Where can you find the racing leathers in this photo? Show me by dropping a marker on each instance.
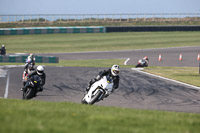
(105, 73)
(43, 78)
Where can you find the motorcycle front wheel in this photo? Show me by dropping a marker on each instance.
(95, 97)
(28, 93)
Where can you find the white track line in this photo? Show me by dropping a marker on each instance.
(7, 85)
(126, 61)
(185, 84)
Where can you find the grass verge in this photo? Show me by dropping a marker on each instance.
(37, 116)
(188, 75)
(55, 43)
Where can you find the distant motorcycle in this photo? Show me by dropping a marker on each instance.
(143, 62)
(98, 91)
(31, 90)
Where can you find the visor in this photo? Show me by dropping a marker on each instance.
(116, 72)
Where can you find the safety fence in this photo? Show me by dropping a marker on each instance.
(68, 18)
(22, 58)
(51, 30)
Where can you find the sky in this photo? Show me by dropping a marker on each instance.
(98, 6)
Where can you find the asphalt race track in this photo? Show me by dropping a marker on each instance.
(136, 90)
(170, 56)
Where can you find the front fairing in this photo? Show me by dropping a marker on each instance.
(104, 84)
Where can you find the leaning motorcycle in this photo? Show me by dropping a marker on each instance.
(98, 91)
(142, 63)
(33, 85)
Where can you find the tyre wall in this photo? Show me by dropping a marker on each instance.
(152, 28)
(22, 58)
(51, 30)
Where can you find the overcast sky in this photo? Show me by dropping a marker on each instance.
(98, 6)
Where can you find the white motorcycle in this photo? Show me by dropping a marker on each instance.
(98, 91)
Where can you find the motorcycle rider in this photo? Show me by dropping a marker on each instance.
(29, 66)
(112, 73)
(3, 50)
(40, 72)
(144, 62)
(30, 59)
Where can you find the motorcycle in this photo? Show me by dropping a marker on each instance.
(33, 85)
(98, 91)
(142, 63)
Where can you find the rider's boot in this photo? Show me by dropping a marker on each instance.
(87, 89)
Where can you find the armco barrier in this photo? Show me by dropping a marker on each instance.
(22, 58)
(51, 30)
(152, 28)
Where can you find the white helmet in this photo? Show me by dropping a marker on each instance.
(115, 70)
(2, 46)
(40, 70)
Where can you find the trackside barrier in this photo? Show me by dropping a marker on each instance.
(22, 58)
(51, 30)
(151, 28)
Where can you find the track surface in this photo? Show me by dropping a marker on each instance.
(170, 56)
(136, 90)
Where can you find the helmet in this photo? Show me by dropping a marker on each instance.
(146, 58)
(40, 70)
(2, 46)
(31, 56)
(115, 70)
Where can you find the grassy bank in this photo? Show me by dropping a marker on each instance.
(53, 43)
(36, 116)
(138, 23)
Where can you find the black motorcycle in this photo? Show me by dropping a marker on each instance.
(32, 87)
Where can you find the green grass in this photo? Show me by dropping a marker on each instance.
(123, 23)
(53, 43)
(17, 116)
(188, 75)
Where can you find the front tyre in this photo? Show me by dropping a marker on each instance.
(95, 97)
(28, 93)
